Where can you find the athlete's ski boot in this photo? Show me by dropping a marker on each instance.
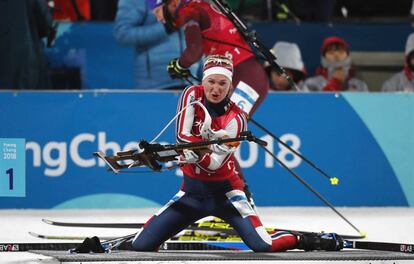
(320, 241)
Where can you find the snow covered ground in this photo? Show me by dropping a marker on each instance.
(387, 224)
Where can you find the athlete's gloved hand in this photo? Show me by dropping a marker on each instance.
(208, 133)
(188, 156)
(176, 71)
(222, 149)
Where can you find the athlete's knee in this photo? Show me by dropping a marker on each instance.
(139, 245)
(144, 242)
(258, 241)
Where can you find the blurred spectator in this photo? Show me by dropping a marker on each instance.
(72, 10)
(23, 24)
(84, 10)
(289, 57)
(136, 26)
(411, 15)
(335, 72)
(403, 81)
(208, 32)
(412, 9)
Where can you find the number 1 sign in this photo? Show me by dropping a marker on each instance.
(12, 167)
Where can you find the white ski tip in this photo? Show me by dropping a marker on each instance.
(47, 221)
(33, 234)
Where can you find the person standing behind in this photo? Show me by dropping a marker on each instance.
(289, 57)
(23, 25)
(154, 44)
(403, 81)
(207, 32)
(335, 72)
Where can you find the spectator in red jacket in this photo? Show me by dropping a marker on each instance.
(335, 72)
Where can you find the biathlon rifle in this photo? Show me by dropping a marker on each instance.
(152, 154)
(252, 39)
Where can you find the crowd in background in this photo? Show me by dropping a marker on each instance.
(23, 64)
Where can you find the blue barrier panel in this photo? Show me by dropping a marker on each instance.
(363, 139)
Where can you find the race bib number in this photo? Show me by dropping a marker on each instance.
(12, 167)
(244, 96)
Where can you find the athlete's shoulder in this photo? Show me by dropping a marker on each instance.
(194, 91)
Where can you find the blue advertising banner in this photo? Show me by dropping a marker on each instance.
(366, 140)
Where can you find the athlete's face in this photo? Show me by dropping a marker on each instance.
(216, 87)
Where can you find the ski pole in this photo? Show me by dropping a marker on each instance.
(116, 242)
(333, 180)
(307, 185)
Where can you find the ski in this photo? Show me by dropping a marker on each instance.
(168, 245)
(205, 245)
(182, 236)
(97, 225)
(16, 247)
(214, 226)
(382, 246)
(64, 237)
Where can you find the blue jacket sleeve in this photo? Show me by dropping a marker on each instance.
(136, 25)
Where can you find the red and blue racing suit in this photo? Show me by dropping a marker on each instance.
(211, 187)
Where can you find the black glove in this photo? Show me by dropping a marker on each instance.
(176, 71)
(88, 245)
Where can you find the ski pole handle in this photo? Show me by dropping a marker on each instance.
(260, 142)
(250, 137)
